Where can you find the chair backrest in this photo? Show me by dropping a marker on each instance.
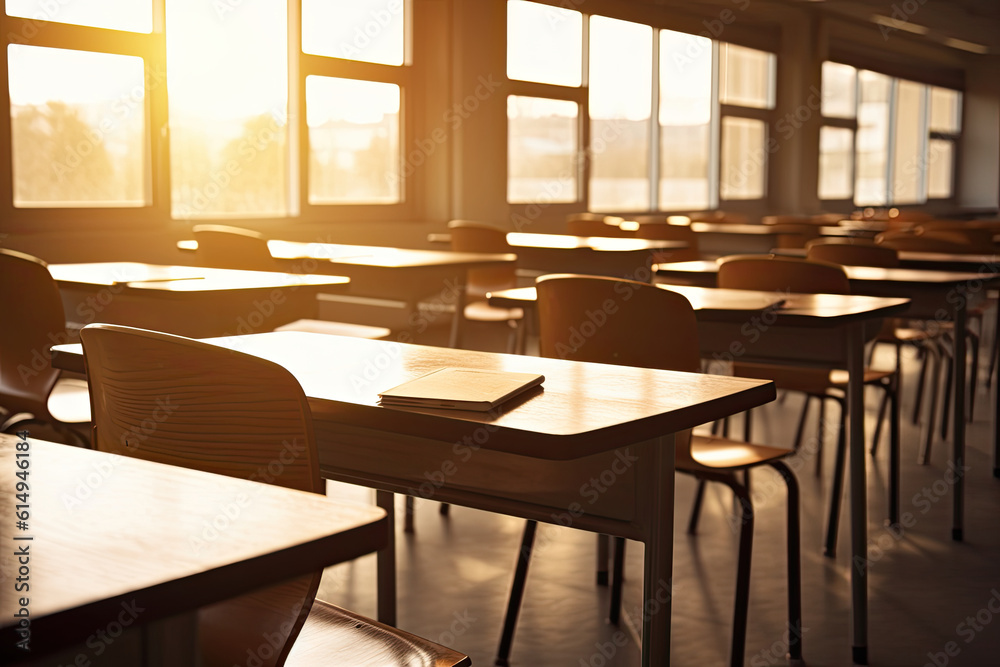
(663, 231)
(33, 321)
(851, 252)
(781, 274)
(593, 224)
(646, 327)
(226, 247)
(178, 401)
(473, 236)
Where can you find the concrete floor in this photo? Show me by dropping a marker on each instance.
(932, 601)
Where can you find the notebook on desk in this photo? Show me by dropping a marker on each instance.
(460, 389)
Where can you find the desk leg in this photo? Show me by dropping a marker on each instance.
(995, 352)
(386, 566)
(859, 493)
(655, 498)
(171, 641)
(958, 454)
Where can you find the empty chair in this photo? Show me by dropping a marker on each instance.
(470, 236)
(31, 391)
(229, 413)
(224, 246)
(656, 328)
(595, 224)
(664, 231)
(784, 274)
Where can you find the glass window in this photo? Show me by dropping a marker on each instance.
(744, 158)
(836, 163)
(685, 120)
(353, 141)
(940, 167)
(839, 90)
(368, 30)
(78, 128)
(909, 140)
(131, 15)
(544, 43)
(228, 82)
(621, 71)
(542, 147)
(872, 150)
(746, 77)
(946, 110)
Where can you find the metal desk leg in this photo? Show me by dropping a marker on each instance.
(958, 454)
(859, 493)
(386, 562)
(656, 512)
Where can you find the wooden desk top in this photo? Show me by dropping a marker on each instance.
(163, 278)
(913, 259)
(109, 531)
(373, 256)
(595, 243)
(871, 274)
(716, 304)
(581, 409)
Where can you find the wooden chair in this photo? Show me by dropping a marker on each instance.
(182, 402)
(663, 231)
(470, 236)
(655, 328)
(787, 274)
(228, 247)
(595, 224)
(31, 391)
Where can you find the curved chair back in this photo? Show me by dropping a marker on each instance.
(33, 321)
(182, 402)
(663, 231)
(852, 252)
(471, 236)
(226, 247)
(771, 273)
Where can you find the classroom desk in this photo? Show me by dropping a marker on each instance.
(934, 295)
(751, 326)
(109, 542)
(935, 261)
(595, 255)
(537, 457)
(387, 284)
(188, 300)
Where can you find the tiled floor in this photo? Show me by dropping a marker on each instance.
(929, 596)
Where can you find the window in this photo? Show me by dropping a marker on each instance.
(906, 134)
(93, 127)
(672, 120)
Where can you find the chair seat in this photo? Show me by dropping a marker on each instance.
(481, 311)
(69, 401)
(714, 452)
(815, 381)
(905, 335)
(337, 329)
(335, 636)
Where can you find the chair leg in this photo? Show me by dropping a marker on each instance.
(837, 488)
(820, 428)
(892, 392)
(408, 515)
(699, 495)
(602, 559)
(923, 458)
(793, 548)
(927, 350)
(516, 594)
(802, 424)
(445, 509)
(946, 409)
(738, 647)
(617, 580)
(973, 346)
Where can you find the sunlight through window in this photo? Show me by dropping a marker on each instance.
(131, 15)
(542, 146)
(372, 31)
(544, 43)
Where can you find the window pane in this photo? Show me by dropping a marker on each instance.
(946, 110)
(78, 128)
(542, 145)
(836, 163)
(872, 147)
(228, 82)
(744, 159)
(372, 31)
(685, 120)
(544, 43)
(839, 90)
(940, 166)
(908, 145)
(621, 71)
(353, 141)
(131, 15)
(746, 77)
